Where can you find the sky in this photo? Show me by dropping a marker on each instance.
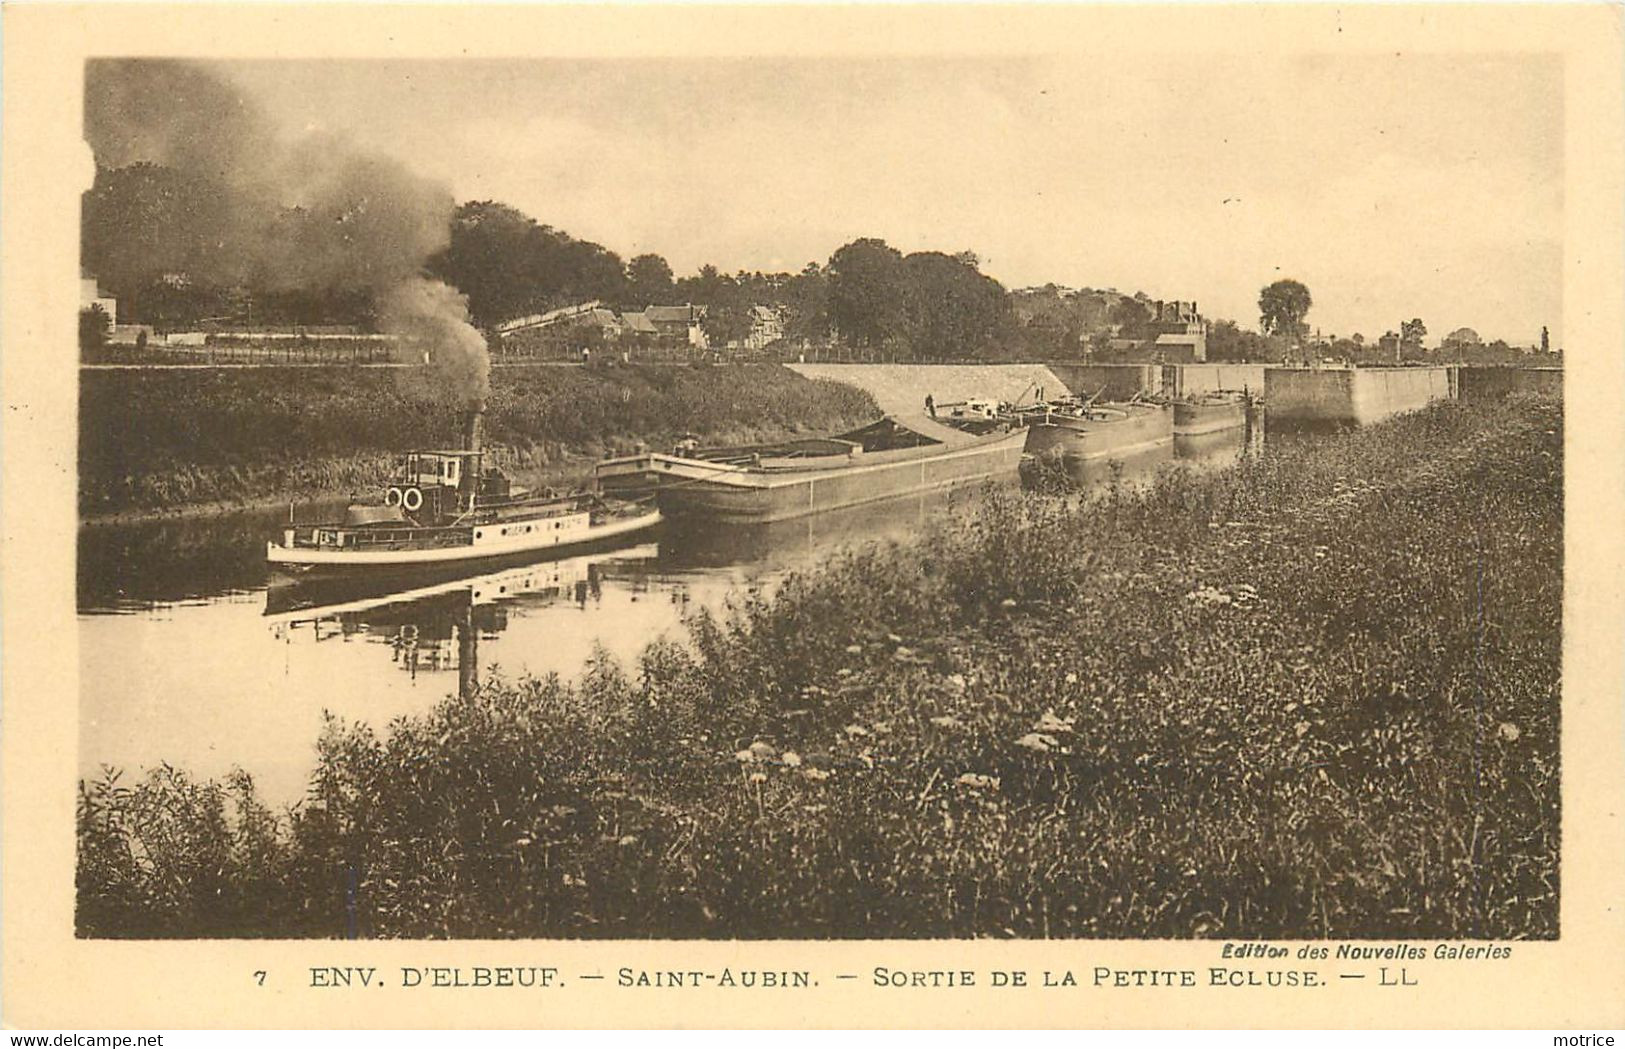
(1394, 186)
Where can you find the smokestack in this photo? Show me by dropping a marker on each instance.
(473, 423)
(468, 486)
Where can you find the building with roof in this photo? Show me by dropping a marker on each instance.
(638, 324)
(1181, 331)
(551, 317)
(1186, 347)
(679, 322)
(90, 294)
(766, 327)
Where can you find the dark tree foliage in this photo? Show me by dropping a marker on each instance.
(509, 265)
(951, 309)
(806, 301)
(927, 306)
(649, 280)
(495, 259)
(93, 327)
(1132, 317)
(866, 281)
(178, 249)
(1282, 307)
(1226, 341)
(150, 233)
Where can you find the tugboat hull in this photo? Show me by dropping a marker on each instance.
(495, 540)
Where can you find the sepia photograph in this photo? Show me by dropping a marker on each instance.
(821, 498)
(884, 516)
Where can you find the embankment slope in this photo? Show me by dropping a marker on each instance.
(158, 441)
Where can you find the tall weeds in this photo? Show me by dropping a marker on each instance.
(1316, 694)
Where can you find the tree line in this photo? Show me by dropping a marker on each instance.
(152, 235)
(924, 305)
(160, 241)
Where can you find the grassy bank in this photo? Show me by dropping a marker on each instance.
(161, 440)
(1316, 694)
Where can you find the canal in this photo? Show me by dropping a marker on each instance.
(191, 654)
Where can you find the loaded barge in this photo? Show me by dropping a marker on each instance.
(777, 482)
(1081, 430)
(451, 506)
(1210, 412)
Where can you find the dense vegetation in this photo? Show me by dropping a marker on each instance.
(1316, 694)
(161, 439)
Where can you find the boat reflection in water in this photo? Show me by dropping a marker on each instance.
(1221, 448)
(435, 624)
(689, 545)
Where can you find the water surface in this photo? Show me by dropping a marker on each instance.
(192, 653)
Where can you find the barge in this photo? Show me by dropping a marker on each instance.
(762, 483)
(1082, 430)
(449, 506)
(1210, 413)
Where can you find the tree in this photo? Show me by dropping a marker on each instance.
(806, 301)
(1130, 316)
(866, 281)
(649, 280)
(951, 309)
(148, 231)
(1462, 337)
(1227, 341)
(1412, 332)
(1282, 307)
(1545, 340)
(492, 258)
(93, 326)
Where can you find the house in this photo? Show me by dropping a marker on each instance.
(1173, 313)
(638, 324)
(603, 320)
(679, 322)
(90, 294)
(1181, 331)
(1186, 347)
(766, 327)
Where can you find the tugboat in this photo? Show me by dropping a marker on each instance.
(446, 506)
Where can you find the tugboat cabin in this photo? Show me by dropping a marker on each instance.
(439, 484)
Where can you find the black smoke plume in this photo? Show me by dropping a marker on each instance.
(197, 184)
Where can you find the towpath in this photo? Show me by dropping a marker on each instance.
(901, 389)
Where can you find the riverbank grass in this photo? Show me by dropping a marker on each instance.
(164, 441)
(1313, 695)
